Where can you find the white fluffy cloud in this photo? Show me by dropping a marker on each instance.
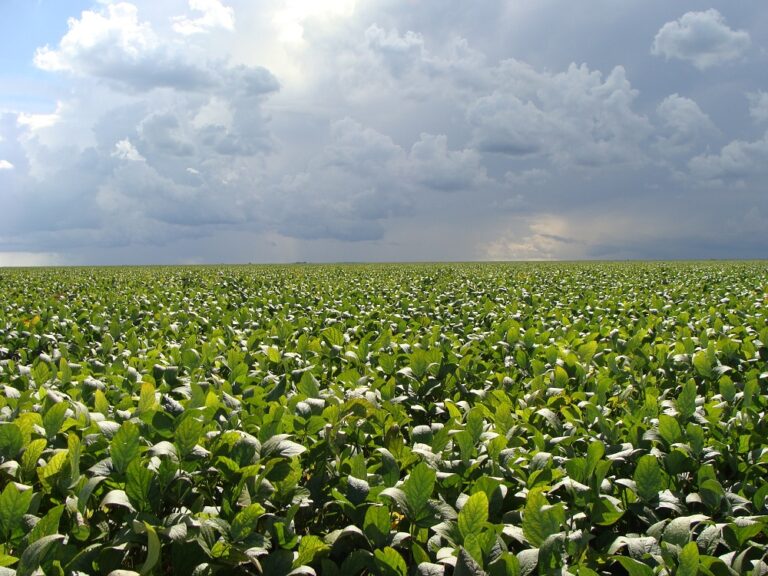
(214, 15)
(5, 165)
(116, 45)
(701, 38)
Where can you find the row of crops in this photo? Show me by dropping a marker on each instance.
(392, 420)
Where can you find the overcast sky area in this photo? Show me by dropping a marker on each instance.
(192, 131)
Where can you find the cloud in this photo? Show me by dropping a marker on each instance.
(124, 150)
(435, 166)
(214, 15)
(736, 162)
(346, 191)
(6, 165)
(701, 38)
(684, 124)
(337, 129)
(114, 45)
(758, 105)
(543, 237)
(577, 117)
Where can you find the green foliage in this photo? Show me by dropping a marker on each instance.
(506, 419)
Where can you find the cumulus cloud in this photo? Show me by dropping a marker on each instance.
(736, 162)
(6, 165)
(213, 15)
(576, 117)
(758, 105)
(701, 38)
(116, 45)
(684, 124)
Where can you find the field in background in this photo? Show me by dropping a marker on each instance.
(457, 419)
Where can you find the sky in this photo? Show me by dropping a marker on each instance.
(205, 131)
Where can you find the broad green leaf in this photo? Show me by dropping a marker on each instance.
(474, 515)
(389, 562)
(11, 440)
(187, 435)
(31, 455)
(540, 520)
(377, 525)
(54, 418)
(48, 525)
(52, 468)
(124, 447)
(100, 403)
(310, 549)
(37, 554)
(147, 401)
(648, 477)
(606, 512)
(467, 564)
(669, 429)
(688, 561)
(703, 364)
(13, 505)
(418, 489)
(279, 446)
(245, 522)
(138, 484)
(686, 400)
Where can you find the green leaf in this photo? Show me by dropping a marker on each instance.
(595, 453)
(147, 401)
(605, 512)
(648, 478)
(688, 561)
(13, 505)
(138, 484)
(52, 468)
(54, 418)
(153, 550)
(245, 522)
(186, 435)
(540, 520)
(467, 564)
(703, 364)
(48, 525)
(669, 429)
(418, 489)
(587, 351)
(124, 447)
(37, 554)
(11, 440)
(389, 562)
(310, 549)
(279, 446)
(686, 400)
(474, 515)
(31, 455)
(376, 525)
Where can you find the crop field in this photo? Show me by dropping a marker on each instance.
(465, 419)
